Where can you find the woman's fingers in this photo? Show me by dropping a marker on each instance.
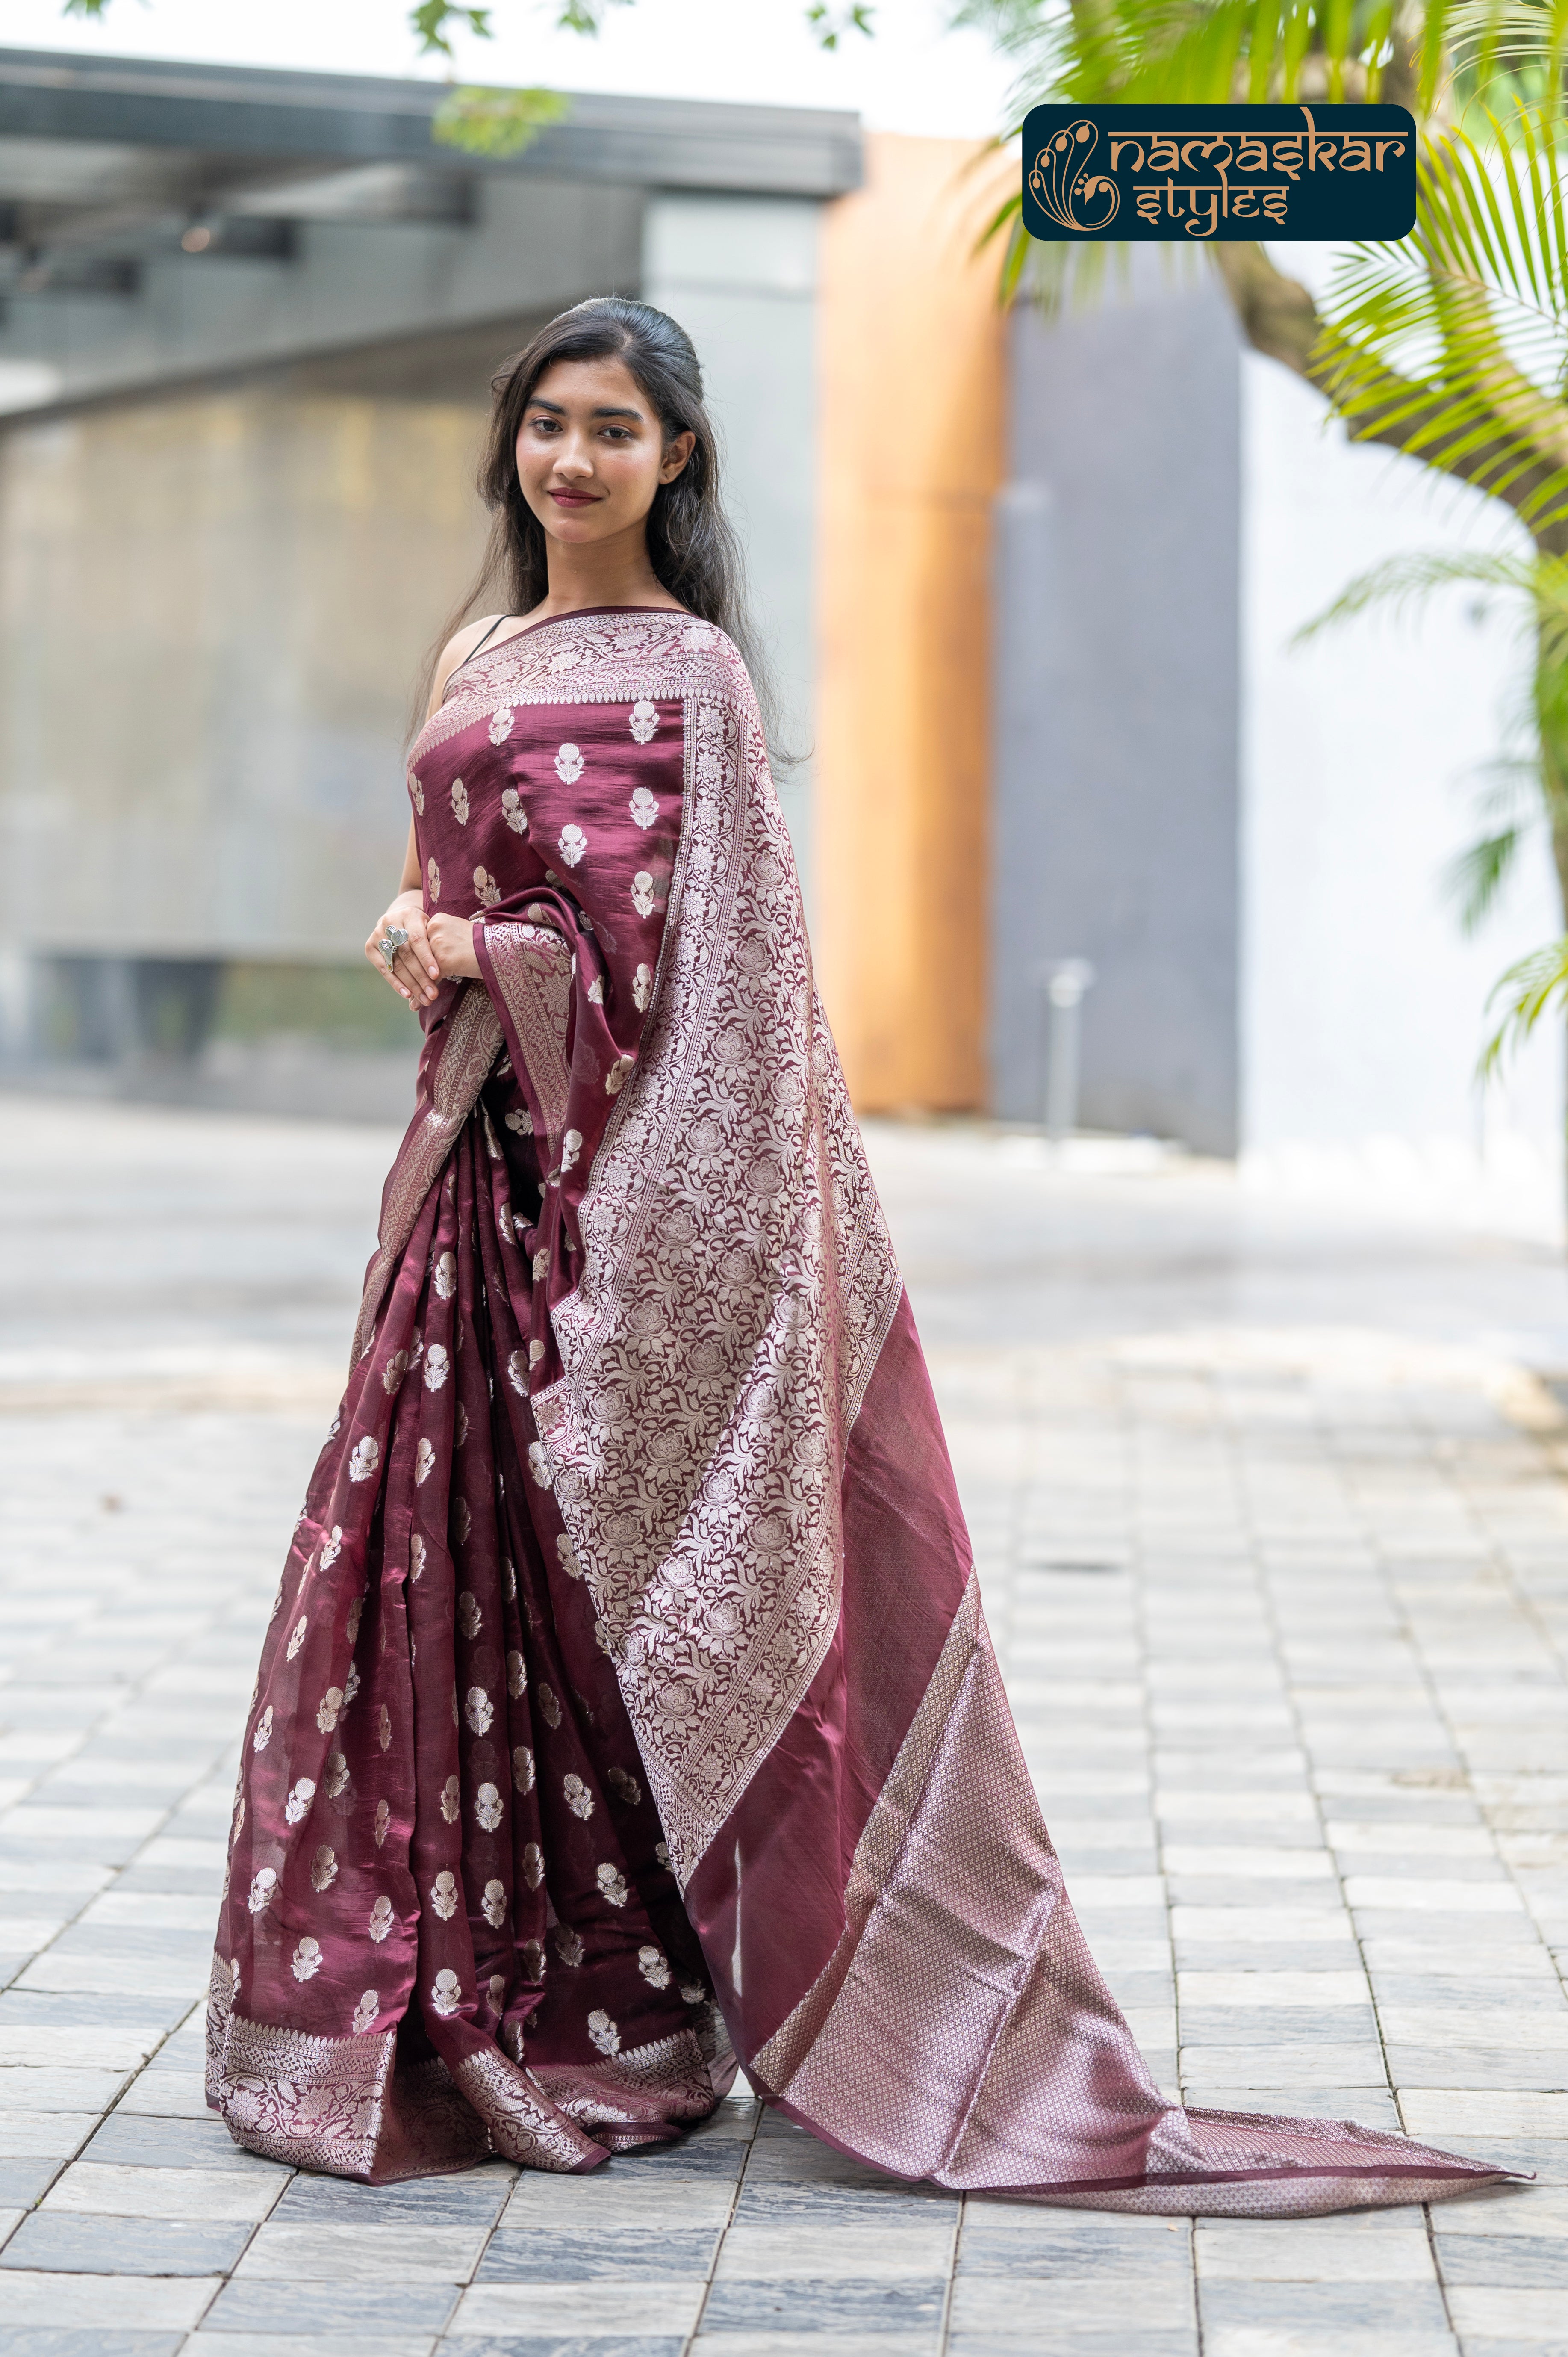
(373, 952)
(419, 942)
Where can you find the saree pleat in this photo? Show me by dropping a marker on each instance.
(628, 1705)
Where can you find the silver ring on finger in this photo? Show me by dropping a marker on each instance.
(395, 938)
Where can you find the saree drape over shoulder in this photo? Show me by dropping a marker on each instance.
(627, 1704)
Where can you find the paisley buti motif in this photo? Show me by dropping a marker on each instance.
(516, 1675)
(438, 1366)
(569, 764)
(568, 1946)
(382, 1920)
(263, 1734)
(366, 2011)
(263, 1882)
(654, 1966)
(572, 843)
(644, 807)
(444, 1894)
(364, 1458)
(644, 724)
(383, 1727)
(443, 1276)
(616, 1078)
(327, 1708)
(567, 1554)
(451, 1802)
(500, 724)
(548, 1705)
(532, 1865)
(494, 1904)
(324, 1868)
(332, 1547)
(417, 1558)
(578, 1798)
(416, 791)
(571, 1146)
(643, 989)
(642, 893)
(306, 1961)
(520, 1121)
(523, 1769)
(479, 1710)
(612, 1885)
(532, 1954)
(297, 1640)
(445, 1994)
(383, 1822)
(629, 1788)
(517, 1376)
(603, 2031)
(538, 1463)
(487, 1808)
(470, 1619)
(513, 812)
(336, 1781)
(459, 802)
(497, 1987)
(433, 877)
(486, 889)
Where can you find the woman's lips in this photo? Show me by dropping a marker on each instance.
(576, 498)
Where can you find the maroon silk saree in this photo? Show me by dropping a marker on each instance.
(627, 1704)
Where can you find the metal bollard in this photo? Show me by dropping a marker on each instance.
(1064, 981)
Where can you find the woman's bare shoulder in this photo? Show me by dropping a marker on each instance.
(456, 650)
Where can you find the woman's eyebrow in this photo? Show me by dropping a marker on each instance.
(557, 409)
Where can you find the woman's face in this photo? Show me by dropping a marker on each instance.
(591, 452)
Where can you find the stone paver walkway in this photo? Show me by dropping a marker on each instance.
(1273, 1531)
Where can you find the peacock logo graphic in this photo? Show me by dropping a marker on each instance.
(1061, 179)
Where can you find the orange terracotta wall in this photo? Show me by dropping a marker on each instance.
(912, 452)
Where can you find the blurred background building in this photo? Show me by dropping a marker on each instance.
(1029, 584)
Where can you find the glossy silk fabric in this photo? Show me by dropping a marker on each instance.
(628, 1702)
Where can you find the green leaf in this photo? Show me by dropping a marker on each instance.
(1525, 992)
(495, 122)
(430, 21)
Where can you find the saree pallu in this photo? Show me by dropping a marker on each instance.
(627, 1706)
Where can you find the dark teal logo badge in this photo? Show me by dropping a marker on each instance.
(1177, 172)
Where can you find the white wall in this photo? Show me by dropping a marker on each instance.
(740, 275)
(1362, 1003)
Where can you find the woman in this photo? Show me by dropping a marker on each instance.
(628, 1692)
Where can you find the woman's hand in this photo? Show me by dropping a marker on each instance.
(451, 941)
(415, 972)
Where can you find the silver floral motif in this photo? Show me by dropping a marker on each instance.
(538, 1463)
(416, 1555)
(306, 1961)
(644, 724)
(444, 1894)
(432, 877)
(327, 1708)
(263, 1734)
(571, 1146)
(451, 1802)
(470, 1619)
(579, 1799)
(297, 1640)
(612, 1885)
(522, 1771)
(501, 724)
(301, 1799)
(383, 1822)
(444, 1276)
(644, 807)
(567, 1554)
(512, 811)
(568, 1946)
(569, 764)
(627, 1786)
(480, 1710)
(462, 1519)
(693, 1992)
(263, 1882)
(654, 1966)
(516, 1675)
(446, 1994)
(459, 802)
(324, 1868)
(438, 1366)
(381, 1919)
(517, 1374)
(604, 2032)
(574, 843)
(394, 1370)
(643, 989)
(617, 1077)
(520, 1121)
(642, 893)
(542, 1263)
(549, 1704)
(416, 792)
(352, 1688)
(533, 1960)
(367, 2011)
(497, 1986)
(336, 1781)
(352, 1623)
(532, 1865)
(487, 1808)
(460, 1426)
(383, 1727)
(494, 1904)
(332, 1547)
(364, 1458)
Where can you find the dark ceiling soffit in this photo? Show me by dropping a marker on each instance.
(650, 142)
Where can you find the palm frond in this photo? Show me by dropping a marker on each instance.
(1403, 582)
(1525, 993)
(1474, 878)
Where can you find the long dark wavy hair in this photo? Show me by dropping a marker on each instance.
(692, 543)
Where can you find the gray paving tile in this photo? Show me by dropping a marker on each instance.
(1318, 2308)
(470, 2199)
(571, 2344)
(64, 2340)
(802, 2303)
(551, 2256)
(61, 2243)
(1528, 2259)
(281, 2306)
(171, 2144)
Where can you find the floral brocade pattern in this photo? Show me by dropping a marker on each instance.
(738, 1279)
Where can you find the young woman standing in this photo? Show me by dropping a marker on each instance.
(628, 1702)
